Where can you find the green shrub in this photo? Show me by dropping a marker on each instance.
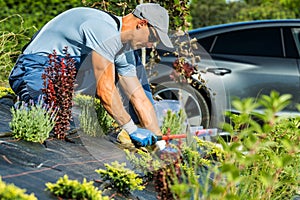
(32, 122)
(11, 43)
(263, 160)
(6, 91)
(88, 117)
(94, 119)
(105, 120)
(144, 163)
(174, 122)
(194, 180)
(12, 192)
(73, 189)
(121, 178)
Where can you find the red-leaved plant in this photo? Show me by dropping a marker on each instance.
(183, 70)
(186, 63)
(59, 81)
(164, 177)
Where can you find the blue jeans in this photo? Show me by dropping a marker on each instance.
(26, 76)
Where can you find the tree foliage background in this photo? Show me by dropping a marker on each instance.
(184, 14)
(19, 20)
(206, 13)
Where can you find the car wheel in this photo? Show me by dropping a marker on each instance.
(195, 106)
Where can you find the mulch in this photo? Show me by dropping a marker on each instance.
(31, 165)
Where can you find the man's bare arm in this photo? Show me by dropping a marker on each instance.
(106, 90)
(142, 105)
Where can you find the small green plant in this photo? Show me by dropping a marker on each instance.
(175, 122)
(12, 192)
(105, 120)
(121, 178)
(73, 189)
(88, 117)
(32, 122)
(6, 91)
(143, 162)
(94, 119)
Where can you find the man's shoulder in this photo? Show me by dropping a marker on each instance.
(81, 8)
(84, 12)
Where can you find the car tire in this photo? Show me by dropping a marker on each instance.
(195, 106)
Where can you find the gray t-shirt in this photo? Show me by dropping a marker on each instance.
(83, 30)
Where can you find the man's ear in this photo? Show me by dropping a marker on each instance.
(142, 22)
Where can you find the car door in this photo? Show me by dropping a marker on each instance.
(254, 61)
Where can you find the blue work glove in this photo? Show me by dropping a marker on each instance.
(142, 137)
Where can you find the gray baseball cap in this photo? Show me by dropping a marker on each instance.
(157, 17)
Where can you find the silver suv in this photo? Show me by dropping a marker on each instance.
(244, 59)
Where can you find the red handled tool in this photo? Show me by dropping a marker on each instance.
(202, 132)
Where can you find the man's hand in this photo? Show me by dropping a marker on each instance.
(143, 137)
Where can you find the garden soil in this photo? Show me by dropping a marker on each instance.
(31, 165)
